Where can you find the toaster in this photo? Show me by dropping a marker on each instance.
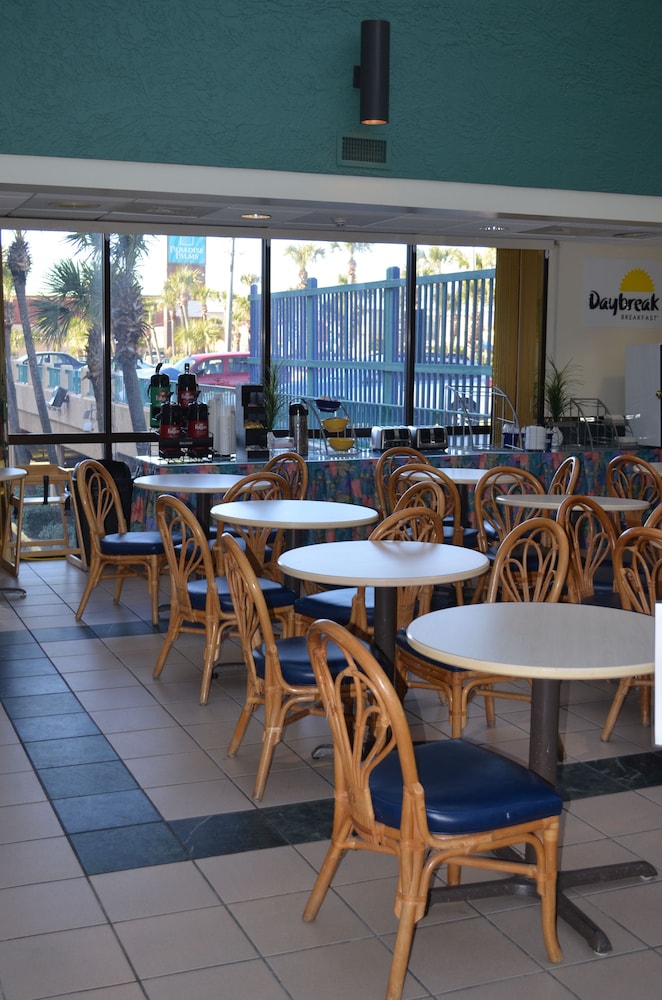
(429, 438)
(382, 438)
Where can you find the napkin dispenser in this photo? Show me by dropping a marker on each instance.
(429, 438)
(382, 438)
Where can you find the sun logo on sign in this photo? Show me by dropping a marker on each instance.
(637, 280)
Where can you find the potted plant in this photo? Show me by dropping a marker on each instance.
(559, 383)
(274, 398)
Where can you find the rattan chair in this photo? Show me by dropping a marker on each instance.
(200, 601)
(294, 470)
(531, 565)
(638, 576)
(119, 554)
(633, 478)
(566, 477)
(261, 543)
(448, 802)
(50, 487)
(279, 676)
(592, 538)
(387, 462)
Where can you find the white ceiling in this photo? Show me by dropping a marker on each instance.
(364, 208)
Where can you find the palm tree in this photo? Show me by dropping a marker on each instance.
(19, 263)
(304, 254)
(72, 303)
(351, 249)
(13, 423)
(433, 261)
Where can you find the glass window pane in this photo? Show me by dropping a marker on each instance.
(52, 313)
(338, 324)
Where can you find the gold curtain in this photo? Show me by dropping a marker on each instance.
(518, 330)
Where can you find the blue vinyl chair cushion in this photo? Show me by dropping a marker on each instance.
(468, 789)
(125, 543)
(295, 662)
(275, 594)
(335, 605)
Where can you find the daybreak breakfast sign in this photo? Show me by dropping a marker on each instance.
(622, 293)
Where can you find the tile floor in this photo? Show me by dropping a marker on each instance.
(134, 863)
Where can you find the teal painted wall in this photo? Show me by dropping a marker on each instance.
(559, 94)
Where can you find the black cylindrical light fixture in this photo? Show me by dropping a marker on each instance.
(374, 71)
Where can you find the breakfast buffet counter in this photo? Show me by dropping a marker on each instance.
(352, 479)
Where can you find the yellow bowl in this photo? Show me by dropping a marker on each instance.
(341, 444)
(335, 424)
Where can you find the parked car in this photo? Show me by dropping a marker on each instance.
(145, 371)
(229, 368)
(53, 358)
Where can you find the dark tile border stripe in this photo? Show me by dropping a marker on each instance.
(112, 824)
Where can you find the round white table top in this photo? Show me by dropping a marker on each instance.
(364, 563)
(9, 473)
(557, 641)
(302, 514)
(188, 482)
(461, 477)
(552, 501)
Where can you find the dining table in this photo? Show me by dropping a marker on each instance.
(547, 644)
(296, 517)
(202, 485)
(552, 501)
(384, 565)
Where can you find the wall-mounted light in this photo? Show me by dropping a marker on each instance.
(372, 76)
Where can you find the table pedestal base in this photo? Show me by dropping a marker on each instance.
(566, 909)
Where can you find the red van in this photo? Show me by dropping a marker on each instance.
(230, 368)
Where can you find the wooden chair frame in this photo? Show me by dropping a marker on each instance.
(531, 565)
(100, 499)
(638, 576)
(387, 462)
(566, 477)
(283, 703)
(379, 728)
(294, 470)
(258, 539)
(592, 537)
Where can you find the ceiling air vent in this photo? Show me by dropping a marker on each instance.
(359, 150)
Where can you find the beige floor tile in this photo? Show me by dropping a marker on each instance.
(132, 719)
(230, 982)
(356, 969)
(199, 798)
(167, 740)
(19, 787)
(132, 695)
(275, 924)
(173, 768)
(637, 907)
(28, 821)
(636, 975)
(292, 785)
(257, 874)
(50, 906)
(616, 815)
(35, 861)
(13, 758)
(179, 942)
(146, 892)
(62, 963)
(465, 953)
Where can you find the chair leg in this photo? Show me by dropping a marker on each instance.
(624, 686)
(270, 741)
(401, 949)
(94, 575)
(176, 622)
(212, 652)
(334, 856)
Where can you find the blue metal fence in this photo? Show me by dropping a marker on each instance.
(349, 341)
